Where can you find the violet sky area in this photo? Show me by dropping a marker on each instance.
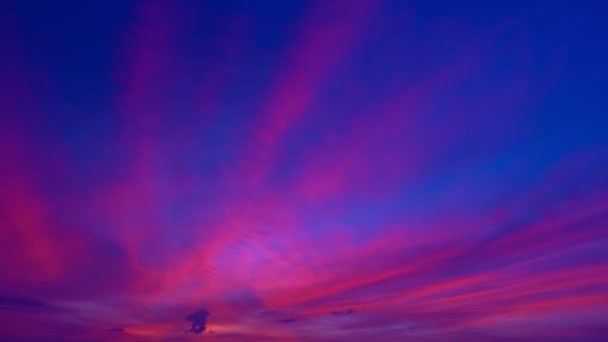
(303, 170)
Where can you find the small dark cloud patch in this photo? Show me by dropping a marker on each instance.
(288, 320)
(117, 330)
(343, 313)
(20, 303)
(198, 321)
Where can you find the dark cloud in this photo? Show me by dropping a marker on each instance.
(117, 330)
(41, 339)
(198, 321)
(342, 313)
(21, 303)
(288, 320)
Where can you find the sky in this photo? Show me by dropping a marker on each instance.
(344, 170)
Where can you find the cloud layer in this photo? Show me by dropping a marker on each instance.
(303, 171)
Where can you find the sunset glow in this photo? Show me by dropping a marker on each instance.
(348, 170)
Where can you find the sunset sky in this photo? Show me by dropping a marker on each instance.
(311, 170)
